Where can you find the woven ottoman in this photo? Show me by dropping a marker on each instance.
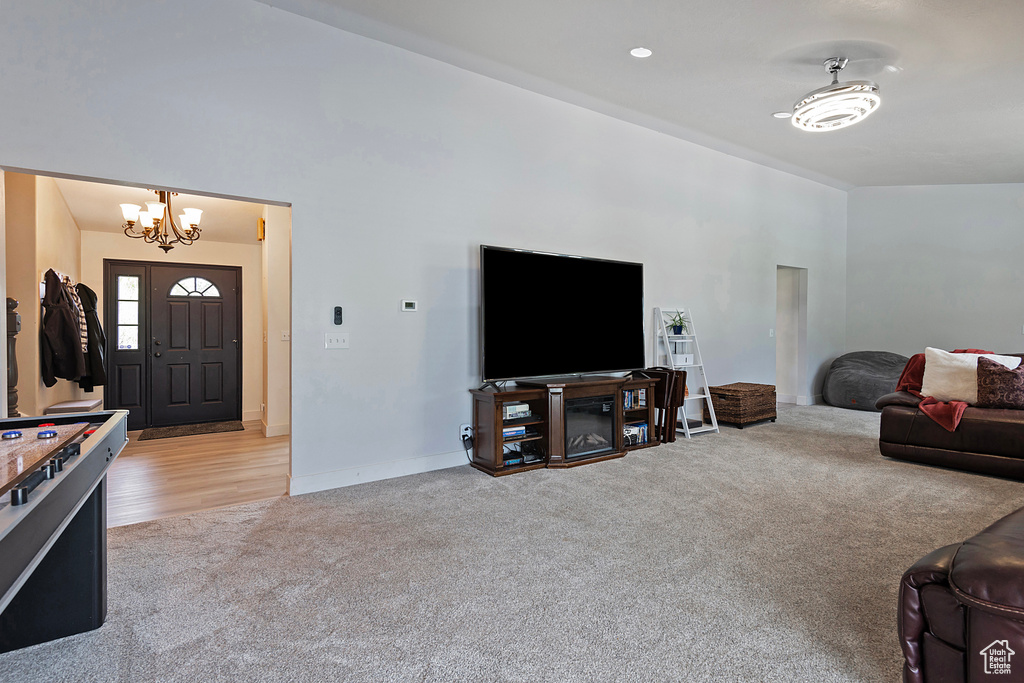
(742, 403)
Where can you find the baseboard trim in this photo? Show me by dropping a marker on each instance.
(808, 400)
(351, 476)
(251, 415)
(785, 398)
(275, 430)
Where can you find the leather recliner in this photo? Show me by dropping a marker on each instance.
(961, 617)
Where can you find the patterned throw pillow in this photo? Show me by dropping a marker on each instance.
(998, 386)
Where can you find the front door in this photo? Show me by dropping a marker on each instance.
(175, 349)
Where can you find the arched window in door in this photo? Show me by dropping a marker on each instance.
(194, 286)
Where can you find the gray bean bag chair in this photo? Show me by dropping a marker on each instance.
(856, 380)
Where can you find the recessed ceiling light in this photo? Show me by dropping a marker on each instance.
(641, 52)
(782, 114)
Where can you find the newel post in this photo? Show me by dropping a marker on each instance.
(13, 328)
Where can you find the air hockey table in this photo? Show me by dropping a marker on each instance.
(53, 524)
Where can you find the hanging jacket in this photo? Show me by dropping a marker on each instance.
(95, 367)
(60, 339)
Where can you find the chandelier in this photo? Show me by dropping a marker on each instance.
(156, 225)
(836, 105)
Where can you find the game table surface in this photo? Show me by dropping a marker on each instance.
(20, 457)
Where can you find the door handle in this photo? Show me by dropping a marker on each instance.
(157, 354)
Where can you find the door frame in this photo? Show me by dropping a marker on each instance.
(146, 315)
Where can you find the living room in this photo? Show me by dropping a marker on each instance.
(398, 166)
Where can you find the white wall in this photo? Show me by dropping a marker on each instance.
(97, 246)
(936, 266)
(398, 167)
(276, 252)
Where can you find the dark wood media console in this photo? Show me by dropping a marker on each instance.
(571, 421)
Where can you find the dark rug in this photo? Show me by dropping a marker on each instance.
(191, 430)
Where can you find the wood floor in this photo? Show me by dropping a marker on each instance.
(164, 477)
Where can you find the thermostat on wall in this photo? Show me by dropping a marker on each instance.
(409, 305)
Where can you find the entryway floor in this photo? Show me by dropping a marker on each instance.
(166, 477)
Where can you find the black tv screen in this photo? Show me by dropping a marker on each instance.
(550, 314)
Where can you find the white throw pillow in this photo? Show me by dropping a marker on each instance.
(954, 376)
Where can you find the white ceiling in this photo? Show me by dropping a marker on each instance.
(96, 206)
(954, 113)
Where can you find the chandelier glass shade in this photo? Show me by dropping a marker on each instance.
(836, 105)
(156, 224)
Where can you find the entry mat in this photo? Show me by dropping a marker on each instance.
(190, 430)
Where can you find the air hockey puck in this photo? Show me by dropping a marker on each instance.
(12, 435)
(48, 424)
(47, 434)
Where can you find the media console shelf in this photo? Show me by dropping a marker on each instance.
(493, 452)
(572, 421)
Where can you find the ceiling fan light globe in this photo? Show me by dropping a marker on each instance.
(836, 106)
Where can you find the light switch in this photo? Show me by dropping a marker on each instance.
(335, 340)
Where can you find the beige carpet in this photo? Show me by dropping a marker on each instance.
(767, 554)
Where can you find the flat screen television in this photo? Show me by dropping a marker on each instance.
(544, 315)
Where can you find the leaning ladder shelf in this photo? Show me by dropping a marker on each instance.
(682, 352)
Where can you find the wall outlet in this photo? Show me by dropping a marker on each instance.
(465, 430)
(335, 340)
(286, 335)
(771, 331)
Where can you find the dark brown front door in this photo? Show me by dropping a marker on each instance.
(175, 350)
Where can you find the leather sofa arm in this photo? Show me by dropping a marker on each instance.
(933, 568)
(988, 573)
(897, 398)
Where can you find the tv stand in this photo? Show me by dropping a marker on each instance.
(572, 421)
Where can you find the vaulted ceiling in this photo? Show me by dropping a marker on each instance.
(949, 72)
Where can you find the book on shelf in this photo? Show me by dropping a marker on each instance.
(509, 432)
(634, 434)
(634, 399)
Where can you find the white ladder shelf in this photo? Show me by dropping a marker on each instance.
(682, 352)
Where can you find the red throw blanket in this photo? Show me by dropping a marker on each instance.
(946, 414)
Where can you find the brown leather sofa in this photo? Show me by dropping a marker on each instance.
(987, 440)
(961, 617)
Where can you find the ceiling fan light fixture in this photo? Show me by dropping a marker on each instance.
(837, 105)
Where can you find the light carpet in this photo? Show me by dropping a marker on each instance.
(772, 553)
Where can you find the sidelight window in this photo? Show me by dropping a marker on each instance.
(127, 312)
(194, 286)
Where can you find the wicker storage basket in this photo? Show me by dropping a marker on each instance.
(742, 403)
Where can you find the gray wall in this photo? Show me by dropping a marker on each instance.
(935, 266)
(398, 167)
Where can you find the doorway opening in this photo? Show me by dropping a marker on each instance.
(791, 336)
(74, 225)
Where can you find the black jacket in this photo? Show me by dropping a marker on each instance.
(95, 367)
(60, 335)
